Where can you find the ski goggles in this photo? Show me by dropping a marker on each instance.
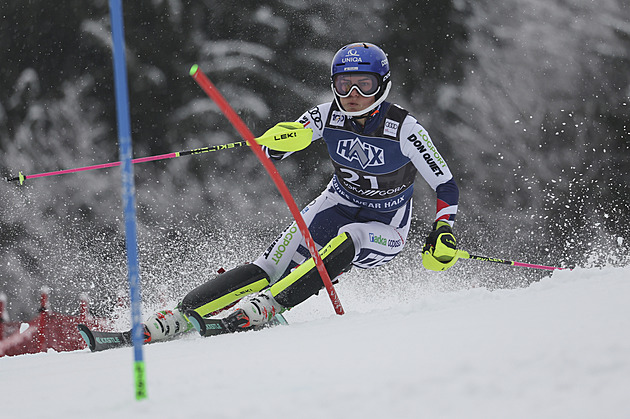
(367, 84)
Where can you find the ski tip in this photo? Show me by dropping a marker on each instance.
(87, 336)
(194, 69)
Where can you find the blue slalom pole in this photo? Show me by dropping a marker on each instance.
(128, 193)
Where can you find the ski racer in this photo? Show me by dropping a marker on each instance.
(361, 219)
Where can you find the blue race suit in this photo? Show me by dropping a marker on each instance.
(370, 193)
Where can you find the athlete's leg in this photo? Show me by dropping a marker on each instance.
(207, 299)
(289, 249)
(376, 243)
(288, 258)
(303, 282)
(212, 296)
(286, 252)
(365, 244)
(306, 281)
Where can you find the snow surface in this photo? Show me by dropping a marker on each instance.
(559, 348)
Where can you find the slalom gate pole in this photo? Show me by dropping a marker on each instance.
(128, 193)
(269, 140)
(465, 255)
(240, 126)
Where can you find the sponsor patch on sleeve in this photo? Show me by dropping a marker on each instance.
(337, 119)
(391, 128)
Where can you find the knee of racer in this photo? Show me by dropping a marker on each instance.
(305, 280)
(353, 239)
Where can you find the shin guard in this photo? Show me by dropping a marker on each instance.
(305, 280)
(225, 289)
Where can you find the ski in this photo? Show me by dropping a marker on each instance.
(100, 341)
(213, 326)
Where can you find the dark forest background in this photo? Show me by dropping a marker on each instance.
(527, 100)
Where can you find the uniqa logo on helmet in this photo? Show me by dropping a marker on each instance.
(362, 57)
(352, 57)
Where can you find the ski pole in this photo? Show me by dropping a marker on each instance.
(465, 255)
(286, 136)
(22, 177)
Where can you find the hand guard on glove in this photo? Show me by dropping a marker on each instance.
(440, 249)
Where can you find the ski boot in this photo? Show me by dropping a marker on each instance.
(253, 312)
(165, 324)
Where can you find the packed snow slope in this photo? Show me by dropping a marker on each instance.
(559, 348)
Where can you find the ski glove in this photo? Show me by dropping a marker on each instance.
(440, 249)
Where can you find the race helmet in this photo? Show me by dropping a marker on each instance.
(364, 67)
